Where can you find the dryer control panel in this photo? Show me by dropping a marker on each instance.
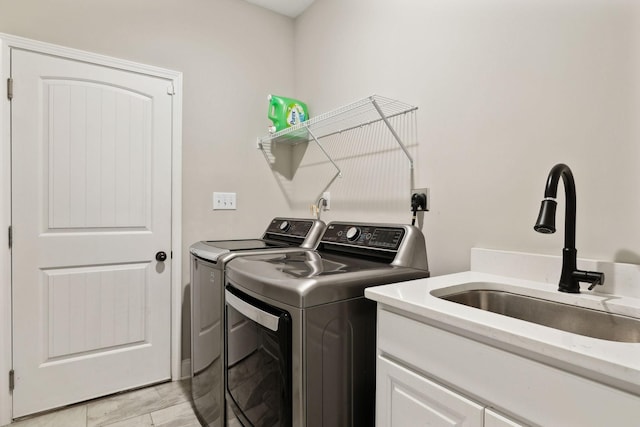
(296, 232)
(290, 227)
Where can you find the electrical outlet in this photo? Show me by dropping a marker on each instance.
(424, 191)
(327, 199)
(224, 201)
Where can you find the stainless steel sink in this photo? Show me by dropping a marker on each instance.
(570, 318)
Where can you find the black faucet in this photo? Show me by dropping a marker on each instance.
(570, 277)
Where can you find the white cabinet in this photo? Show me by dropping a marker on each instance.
(416, 358)
(406, 399)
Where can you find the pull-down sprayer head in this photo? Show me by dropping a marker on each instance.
(546, 222)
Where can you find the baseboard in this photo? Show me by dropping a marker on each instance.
(185, 371)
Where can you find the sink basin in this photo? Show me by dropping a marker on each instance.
(569, 318)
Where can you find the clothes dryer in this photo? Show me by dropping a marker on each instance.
(308, 353)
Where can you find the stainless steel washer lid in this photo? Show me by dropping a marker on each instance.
(280, 233)
(308, 278)
(214, 249)
(203, 250)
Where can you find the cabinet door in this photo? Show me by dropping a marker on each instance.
(493, 419)
(405, 398)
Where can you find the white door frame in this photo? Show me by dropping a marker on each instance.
(6, 43)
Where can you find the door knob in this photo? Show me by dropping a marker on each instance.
(161, 256)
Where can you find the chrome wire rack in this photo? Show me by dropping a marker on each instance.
(363, 112)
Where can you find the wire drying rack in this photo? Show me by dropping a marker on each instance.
(363, 112)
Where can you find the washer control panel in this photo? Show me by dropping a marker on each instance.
(290, 227)
(364, 235)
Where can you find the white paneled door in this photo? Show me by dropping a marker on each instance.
(91, 208)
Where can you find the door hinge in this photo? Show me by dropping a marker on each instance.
(171, 90)
(10, 236)
(12, 380)
(10, 88)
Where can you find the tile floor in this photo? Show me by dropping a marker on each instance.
(163, 405)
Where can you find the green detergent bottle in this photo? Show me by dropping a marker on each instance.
(286, 112)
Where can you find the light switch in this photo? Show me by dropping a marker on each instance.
(224, 201)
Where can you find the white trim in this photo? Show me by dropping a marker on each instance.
(81, 55)
(5, 253)
(186, 368)
(7, 42)
(176, 231)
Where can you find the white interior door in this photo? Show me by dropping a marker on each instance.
(91, 207)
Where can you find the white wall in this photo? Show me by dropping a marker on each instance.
(232, 55)
(505, 90)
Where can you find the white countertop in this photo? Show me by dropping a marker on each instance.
(613, 363)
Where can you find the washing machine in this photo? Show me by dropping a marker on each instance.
(208, 261)
(306, 353)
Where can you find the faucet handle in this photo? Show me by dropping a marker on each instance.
(593, 277)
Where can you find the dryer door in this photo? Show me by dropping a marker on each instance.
(259, 384)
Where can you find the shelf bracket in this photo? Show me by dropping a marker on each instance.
(324, 151)
(392, 130)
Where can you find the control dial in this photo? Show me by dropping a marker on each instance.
(353, 233)
(285, 225)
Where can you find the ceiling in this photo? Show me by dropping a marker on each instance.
(291, 8)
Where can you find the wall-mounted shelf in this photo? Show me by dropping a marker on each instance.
(360, 113)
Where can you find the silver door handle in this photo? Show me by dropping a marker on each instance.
(263, 318)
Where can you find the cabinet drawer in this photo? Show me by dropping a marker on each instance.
(405, 399)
